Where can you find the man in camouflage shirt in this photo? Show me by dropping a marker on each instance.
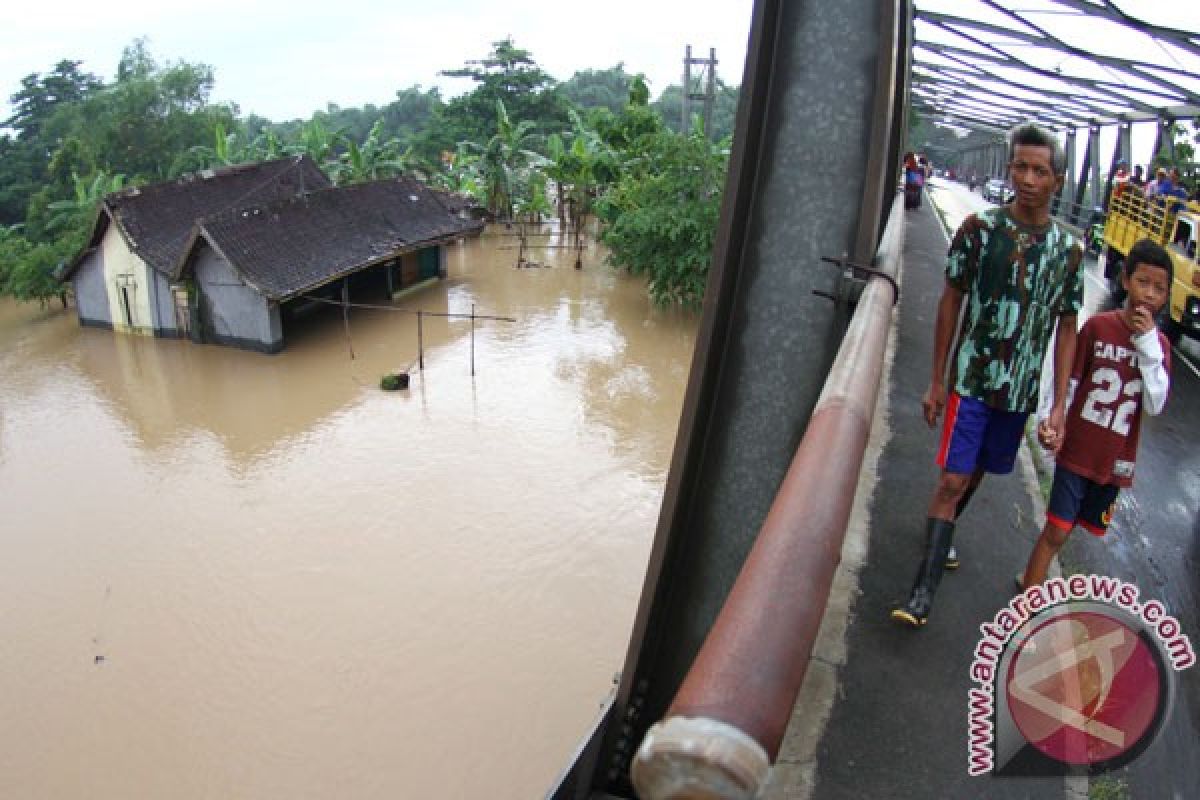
(1021, 277)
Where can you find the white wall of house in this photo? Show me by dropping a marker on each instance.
(127, 277)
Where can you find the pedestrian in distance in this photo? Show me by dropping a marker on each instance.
(1122, 368)
(1161, 182)
(914, 181)
(1120, 179)
(1137, 179)
(1019, 275)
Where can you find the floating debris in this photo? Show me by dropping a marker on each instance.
(393, 381)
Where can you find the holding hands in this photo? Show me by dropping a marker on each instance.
(1050, 430)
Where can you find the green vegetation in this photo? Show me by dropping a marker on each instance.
(662, 214)
(394, 381)
(523, 145)
(1107, 787)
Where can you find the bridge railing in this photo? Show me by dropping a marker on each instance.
(724, 727)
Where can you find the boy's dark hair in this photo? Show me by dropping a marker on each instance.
(1148, 251)
(1032, 135)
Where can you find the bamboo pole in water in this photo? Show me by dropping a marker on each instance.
(346, 314)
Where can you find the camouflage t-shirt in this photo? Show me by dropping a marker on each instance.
(1017, 280)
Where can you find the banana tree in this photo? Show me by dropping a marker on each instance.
(581, 169)
(73, 214)
(375, 158)
(318, 143)
(504, 161)
(267, 146)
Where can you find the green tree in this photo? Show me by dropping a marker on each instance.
(73, 217)
(410, 113)
(17, 167)
(638, 122)
(505, 160)
(582, 169)
(509, 75)
(376, 157)
(317, 142)
(606, 88)
(25, 158)
(146, 123)
(662, 215)
(670, 105)
(29, 271)
(461, 175)
(40, 95)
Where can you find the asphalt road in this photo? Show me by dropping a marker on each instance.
(898, 723)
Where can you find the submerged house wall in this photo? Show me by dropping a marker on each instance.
(91, 294)
(229, 311)
(162, 306)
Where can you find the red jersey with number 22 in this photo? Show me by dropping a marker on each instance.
(1106, 410)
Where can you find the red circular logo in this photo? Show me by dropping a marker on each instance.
(1084, 688)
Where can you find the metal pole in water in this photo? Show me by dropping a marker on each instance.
(420, 344)
(472, 340)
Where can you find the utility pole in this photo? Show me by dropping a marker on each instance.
(703, 87)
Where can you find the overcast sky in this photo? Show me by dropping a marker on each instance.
(284, 60)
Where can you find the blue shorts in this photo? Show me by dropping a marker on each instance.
(1076, 500)
(977, 436)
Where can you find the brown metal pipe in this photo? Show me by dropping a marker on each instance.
(747, 675)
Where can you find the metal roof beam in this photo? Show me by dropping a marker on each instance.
(1091, 104)
(959, 119)
(980, 105)
(1129, 65)
(1185, 40)
(1047, 40)
(1100, 87)
(977, 89)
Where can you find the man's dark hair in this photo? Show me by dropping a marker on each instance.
(1148, 251)
(1032, 135)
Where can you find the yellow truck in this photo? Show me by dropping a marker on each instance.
(1174, 225)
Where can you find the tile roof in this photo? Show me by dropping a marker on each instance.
(294, 245)
(157, 220)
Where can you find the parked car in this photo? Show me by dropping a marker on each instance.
(998, 191)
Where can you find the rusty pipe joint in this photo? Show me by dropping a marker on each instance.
(699, 758)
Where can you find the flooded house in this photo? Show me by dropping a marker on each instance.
(122, 278)
(231, 265)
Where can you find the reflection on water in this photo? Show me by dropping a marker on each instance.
(236, 575)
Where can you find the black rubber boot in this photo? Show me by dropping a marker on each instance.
(939, 534)
(952, 561)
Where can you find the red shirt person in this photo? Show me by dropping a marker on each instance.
(1122, 366)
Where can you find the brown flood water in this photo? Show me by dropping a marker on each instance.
(231, 575)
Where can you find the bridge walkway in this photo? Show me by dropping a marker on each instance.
(895, 700)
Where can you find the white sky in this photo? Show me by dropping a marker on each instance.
(285, 59)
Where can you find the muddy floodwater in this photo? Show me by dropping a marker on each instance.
(233, 575)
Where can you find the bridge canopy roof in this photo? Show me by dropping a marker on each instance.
(990, 64)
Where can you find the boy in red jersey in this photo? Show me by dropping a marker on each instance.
(1121, 367)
